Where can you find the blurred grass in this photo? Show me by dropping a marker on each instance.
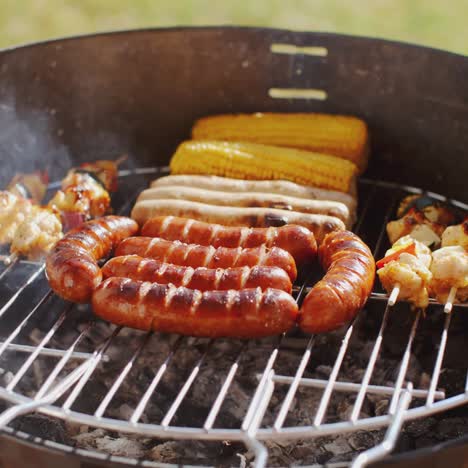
(436, 23)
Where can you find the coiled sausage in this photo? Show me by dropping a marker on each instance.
(71, 266)
(337, 298)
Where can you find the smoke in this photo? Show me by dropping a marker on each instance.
(28, 143)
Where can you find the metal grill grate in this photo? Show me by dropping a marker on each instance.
(53, 373)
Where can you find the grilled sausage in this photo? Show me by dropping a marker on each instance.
(248, 313)
(249, 200)
(337, 298)
(204, 279)
(280, 187)
(195, 256)
(71, 266)
(296, 240)
(320, 225)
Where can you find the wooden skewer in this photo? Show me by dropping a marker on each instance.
(394, 295)
(451, 297)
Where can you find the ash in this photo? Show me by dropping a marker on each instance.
(216, 359)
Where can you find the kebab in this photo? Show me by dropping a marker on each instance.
(450, 266)
(20, 199)
(34, 229)
(406, 270)
(423, 218)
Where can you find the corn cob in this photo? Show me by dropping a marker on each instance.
(254, 161)
(342, 136)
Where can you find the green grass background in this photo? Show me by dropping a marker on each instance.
(441, 23)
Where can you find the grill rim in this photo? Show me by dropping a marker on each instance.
(188, 28)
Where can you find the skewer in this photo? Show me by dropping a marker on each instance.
(394, 295)
(9, 267)
(8, 259)
(451, 297)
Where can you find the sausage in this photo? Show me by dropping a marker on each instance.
(343, 291)
(248, 313)
(280, 187)
(204, 279)
(249, 200)
(296, 240)
(320, 225)
(195, 256)
(71, 266)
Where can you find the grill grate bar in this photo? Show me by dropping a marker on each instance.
(118, 382)
(294, 385)
(186, 387)
(352, 387)
(438, 362)
(391, 436)
(52, 352)
(23, 369)
(92, 364)
(331, 384)
(404, 366)
(15, 296)
(155, 382)
(210, 419)
(10, 266)
(61, 364)
(261, 385)
(370, 369)
(18, 329)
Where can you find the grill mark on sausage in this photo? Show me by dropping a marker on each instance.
(165, 224)
(218, 276)
(244, 276)
(214, 231)
(187, 227)
(188, 276)
(209, 256)
(196, 300)
(244, 233)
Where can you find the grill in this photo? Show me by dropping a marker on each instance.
(78, 385)
(54, 374)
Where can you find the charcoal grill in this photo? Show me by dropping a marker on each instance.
(80, 99)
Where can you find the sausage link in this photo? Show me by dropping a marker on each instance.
(297, 240)
(195, 256)
(204, 279)
(343, 291)
(249, 200)
(71, 266)
(248, 313)
(281, 187)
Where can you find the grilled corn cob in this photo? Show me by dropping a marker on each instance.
(254, 161)
(342, 136)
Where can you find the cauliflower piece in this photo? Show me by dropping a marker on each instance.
(37, 234)
(411, 272)
(449, 269)
(13, 211)
(456, 235)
